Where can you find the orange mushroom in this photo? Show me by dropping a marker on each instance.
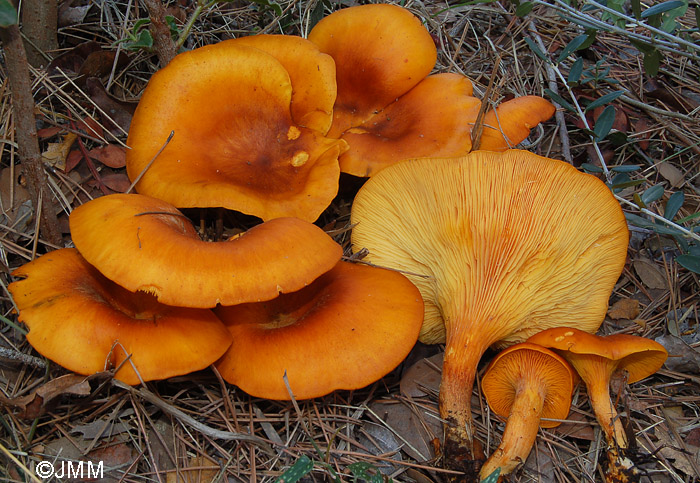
(88, 324)
(597, 359)
(381, 51)
(346, 330)
(494, 242)
(145, 244)
(531, 387)
(236, 144)
(388, 110)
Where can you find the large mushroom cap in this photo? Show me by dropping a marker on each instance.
(87, 323)
(381, 51)
(501, 245)
(235, 145)
(346, 330)
(145, 244)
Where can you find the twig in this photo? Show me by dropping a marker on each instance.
(162, 39)
(660, 218)
(22, 358)
(190, 421)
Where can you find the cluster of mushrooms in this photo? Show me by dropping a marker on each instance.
(487, 248)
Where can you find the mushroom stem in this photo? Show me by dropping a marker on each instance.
(461, 451)
(521, 430)
(599, 394)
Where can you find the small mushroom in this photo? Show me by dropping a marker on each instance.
(597, 359)
(235, 144)
(86, 323)
(510, 122)
(494, 242)
(346, 330)
(147, 245)
(531, 387)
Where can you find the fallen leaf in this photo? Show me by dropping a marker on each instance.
(56, 153)
(643, 131)
(576, 426)
(34, 405)
(90, 127)
(100, 428)
(118, 111)
(72, 60)
(74, 157)
(117, 182)
(198, 470)
(650, 274)
(624, 309)
(671, 450)
(100, 63)
(110, 155)
(423, 377)
(681, 357)
(48, 132)
(672, 174)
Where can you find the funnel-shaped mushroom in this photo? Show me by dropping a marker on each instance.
(524, 384)
(236, 144)
(346, 330)
(145, 244)
(597, 359)
(87, 323)
(381, 51)
(501, 245)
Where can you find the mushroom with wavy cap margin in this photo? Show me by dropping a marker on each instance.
(501, 245)
(145, 244)
(597, 359)
(86, 323)
(236, 144)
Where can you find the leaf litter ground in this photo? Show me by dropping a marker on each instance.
(196, 428)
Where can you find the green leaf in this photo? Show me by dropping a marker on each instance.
(559, 100)
(267, 3)
(591, 168)
(572, 46)
(524, 8)
(365, 471)
(697, 16)
(644, 223)
(625, 168)
(689, 218)
(144, 41)
(690, 262)
(626, 184)
(493, 477)
(604, 123)
(607, 98)
(316, 15)
(298, 470)
(653, 194)
(652, 62)
(662, 7)
(636, 9)
(674, 203)
(533, 46)
(139, 24)
(8, 14)
(575, 72)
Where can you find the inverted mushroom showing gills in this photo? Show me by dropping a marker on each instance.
(236, 144)
(145, 244)
(346, 330)
(87, 323)
(501, 245)
(597, 359)
(531, 387)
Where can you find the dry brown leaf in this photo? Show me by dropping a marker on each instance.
(118, 182)
(576, 426)
(56, 153)
(110, 155)
(650, 274)
(199, 470)
(624, 309)
(670, 449)
(422, 377)
(119, 112)
(671, 173)
(34, 405)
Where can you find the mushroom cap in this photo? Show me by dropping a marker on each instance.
(346, 330)
(432, 119)
(235, 144)
(511, 121)
(381, 51)
(639, 356)
(529, 364)
(145, 244)
(507, 244)
(87, 323)
(311, 72)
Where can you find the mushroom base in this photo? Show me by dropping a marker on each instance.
(461, 453)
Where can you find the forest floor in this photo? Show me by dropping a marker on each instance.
(601, 66)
